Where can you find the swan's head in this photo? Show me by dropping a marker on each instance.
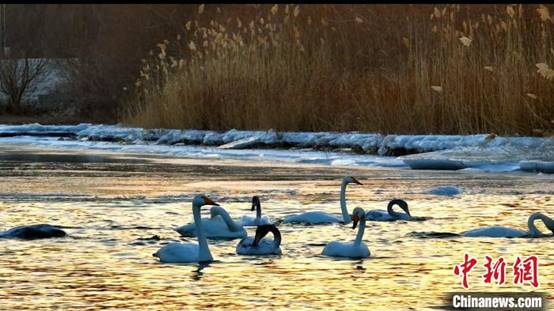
(357, 215)
(350, 179)
(255, 202)
(403, 205)
(201, 200)
(263, 230)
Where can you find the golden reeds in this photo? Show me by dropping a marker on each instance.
(418, 70)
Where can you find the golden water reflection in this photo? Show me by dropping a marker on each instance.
(112, 208)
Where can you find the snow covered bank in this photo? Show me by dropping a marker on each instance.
(451, 152)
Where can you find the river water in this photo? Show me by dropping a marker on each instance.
(112, 204)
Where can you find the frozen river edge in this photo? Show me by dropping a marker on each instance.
(483, 152)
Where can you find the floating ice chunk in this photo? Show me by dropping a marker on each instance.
(241, 143)
(434, 164)
(172, 137)
(445, 190)
(213, 139)
(537, 166)
(343, 162)
(114, 133)
(367, 142)
(304, 139)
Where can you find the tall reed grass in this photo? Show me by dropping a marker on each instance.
(386, 68)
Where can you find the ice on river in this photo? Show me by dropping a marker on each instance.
(486, 153)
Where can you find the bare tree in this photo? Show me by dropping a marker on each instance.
(16, 76)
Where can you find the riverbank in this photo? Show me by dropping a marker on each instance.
(485, 152)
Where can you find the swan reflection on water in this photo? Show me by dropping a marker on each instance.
(199, 273)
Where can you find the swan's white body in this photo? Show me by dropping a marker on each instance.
(179, 253)
(313, 218)
(190, 252)
(496, 232)
(30, 232)
(259, 219)
(355, 249)
(507, 232)
(250, 221)
(318, 218)
(266, 246)
(219, 226)
(382, 215)
(390, 214)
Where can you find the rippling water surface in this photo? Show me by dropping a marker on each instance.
(111, 206)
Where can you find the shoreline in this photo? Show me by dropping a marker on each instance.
(486, 152)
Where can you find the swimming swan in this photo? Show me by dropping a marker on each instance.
(31, 232)
(260, 245)
(355, 249)
(390, 214)
(191, 252)
(220, 225)
(507, 232)
(259, 219)
(317, 218)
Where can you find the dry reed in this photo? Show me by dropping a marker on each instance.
(388, 68)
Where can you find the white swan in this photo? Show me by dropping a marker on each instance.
(507, 232)
(316, 218)
(355, 249)
(260, 245)
(191, 252)
(390, 214)
(259, 219)
(219, 226)
(31, 232)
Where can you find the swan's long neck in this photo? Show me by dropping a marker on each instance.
(345, 217)
(549, 222)
(203, 249)
(216, 210)
(276, 238)
(391, 211)
(360, 233)
(533, 230)
(258, 211)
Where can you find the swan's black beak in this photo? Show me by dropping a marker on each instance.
(355, 220)
(354, 180)
(208, 201)
(258, 237)
(404, 206)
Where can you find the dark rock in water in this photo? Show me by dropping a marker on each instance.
(32, 232)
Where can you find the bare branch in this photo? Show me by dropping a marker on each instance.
(16, 77)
